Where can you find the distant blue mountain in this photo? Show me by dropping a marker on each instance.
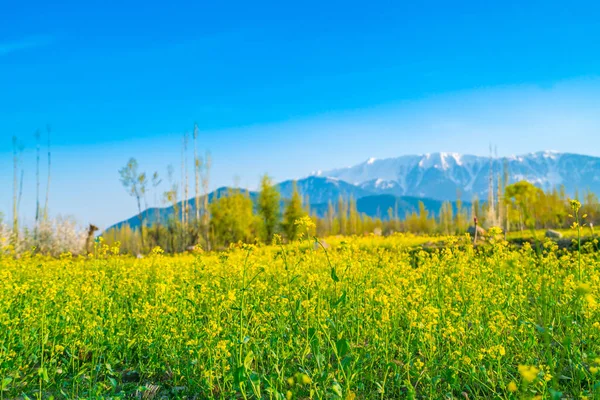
(320, 192)
(323, 190)
(163, 214)
(377, 206)
(377, 185)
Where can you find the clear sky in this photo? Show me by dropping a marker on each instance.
(285, 87)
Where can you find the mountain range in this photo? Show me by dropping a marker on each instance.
(445, 176)
(378, 184)
(319, 191)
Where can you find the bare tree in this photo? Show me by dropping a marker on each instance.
(187, 181)
(170, 196)
(90, 237)
(49, 169)
(143, 183)
(20, 180)
(15, 189)
(205, 179)
(491, 215)
(506, 182)
(156, 181)
(196, 174)
(37, 179)
(184, 180)
(135, 184)
(17, 185)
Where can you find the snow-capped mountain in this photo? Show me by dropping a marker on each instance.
(402, 182)
(444, 176)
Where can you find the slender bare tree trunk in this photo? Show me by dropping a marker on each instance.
(506, 183)
(141, 218)
(491, 215)
(49, 175)
(183, 181)
(187, 181)
(15, 192)
(20, 187)
(156, 181)
(197, 174)
(37, 180)
(205, 210)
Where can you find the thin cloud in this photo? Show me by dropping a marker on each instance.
(24, 43)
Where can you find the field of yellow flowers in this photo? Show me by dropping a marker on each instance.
(360, 318)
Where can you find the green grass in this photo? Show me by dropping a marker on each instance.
(368, 318)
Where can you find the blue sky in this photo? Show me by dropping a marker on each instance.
(286, 88)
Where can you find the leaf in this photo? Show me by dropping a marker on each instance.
(346, 361)
(191, 302)
(248, 360)
(337, 389)
(342, 299)
(555, 394)
(343, 347)
(113, 382)
(334, 275)
(239, 375)
(313, 339)
(5, 383)
(43, 373)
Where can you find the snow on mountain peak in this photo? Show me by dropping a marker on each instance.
(552, 154)
(441, 160)
(469, 174)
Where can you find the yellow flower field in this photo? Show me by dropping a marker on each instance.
(363, 318)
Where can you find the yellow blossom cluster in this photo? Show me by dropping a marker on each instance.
(369, 317)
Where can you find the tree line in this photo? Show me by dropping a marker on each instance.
(199, 221)
(235, 217)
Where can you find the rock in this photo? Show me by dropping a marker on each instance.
(377, 232)
(552, 234)
(480, 232)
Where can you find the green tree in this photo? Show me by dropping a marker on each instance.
(135, 184)
(293, 211)
(423, 218)
(446, 217)
(342, 210)
(461, 217)
(268, 208)
(232, 219)
(591, 207)
(353, 217)
(525, 198)
(331, 220)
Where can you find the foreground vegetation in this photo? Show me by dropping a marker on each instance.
(366, 318)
